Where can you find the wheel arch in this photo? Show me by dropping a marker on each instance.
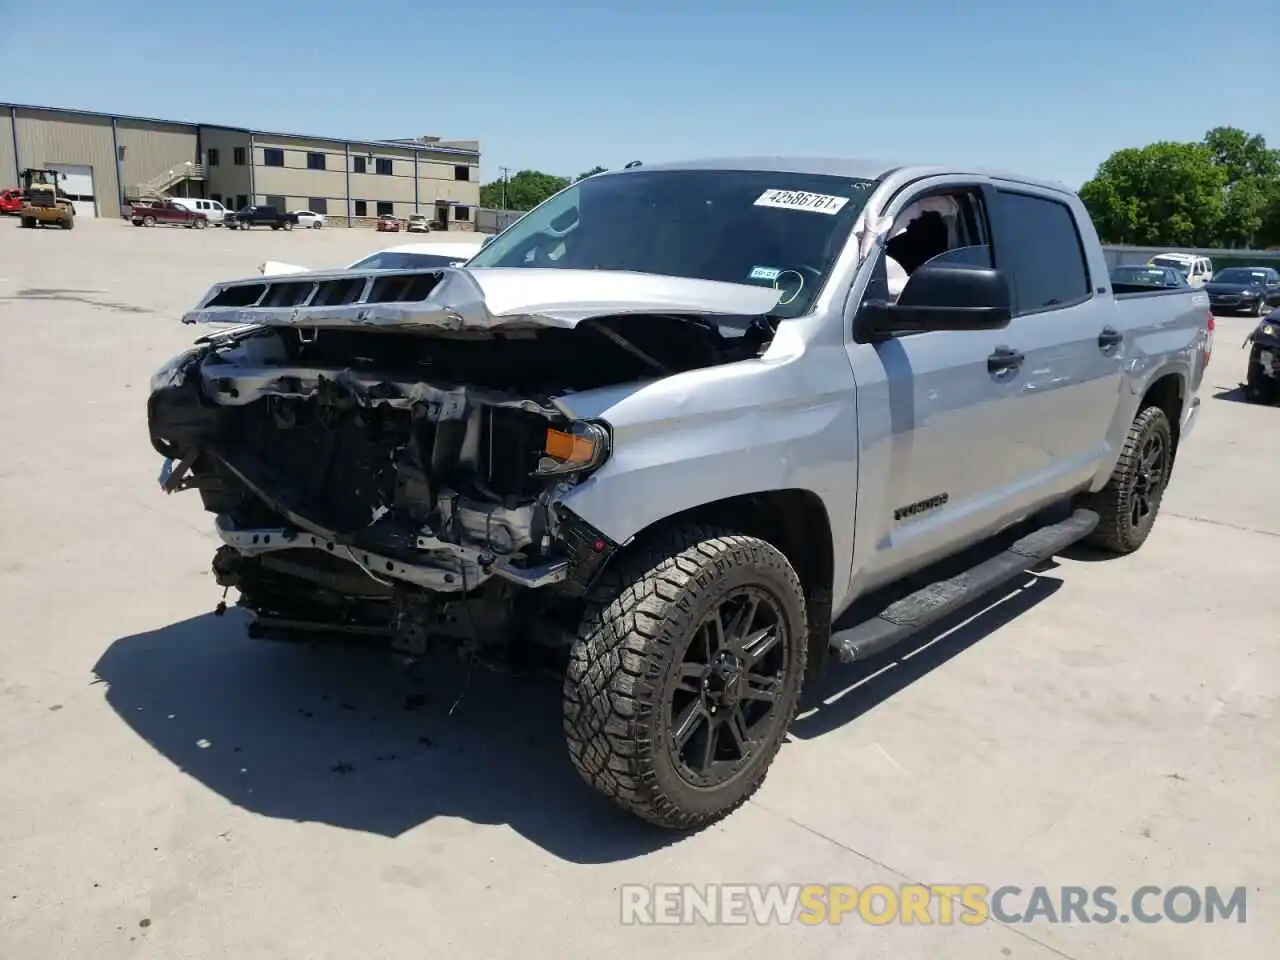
(1167, 391)
(794, 520)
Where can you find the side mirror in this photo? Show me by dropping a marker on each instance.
(486, 241)
(945, 298)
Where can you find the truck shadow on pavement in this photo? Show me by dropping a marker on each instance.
(847, 691)
(353, 738)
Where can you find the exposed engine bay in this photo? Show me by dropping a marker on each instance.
(398, 473)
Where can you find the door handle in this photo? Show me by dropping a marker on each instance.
(1109, 337)
(1003, 359)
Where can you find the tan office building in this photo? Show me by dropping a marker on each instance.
(107, 160)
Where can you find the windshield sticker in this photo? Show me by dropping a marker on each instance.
(764, 273)
(799, 200)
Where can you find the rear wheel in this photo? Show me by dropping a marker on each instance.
(317, 225)
(68, 223)
(1128, 505)
(288, 224)
(686, 674)
(29, 222)
(1258, 387)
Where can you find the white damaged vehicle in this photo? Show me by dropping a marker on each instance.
(670, 425)
(407, 256)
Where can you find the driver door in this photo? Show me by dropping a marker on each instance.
(932, 408)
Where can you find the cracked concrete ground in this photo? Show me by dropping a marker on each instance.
(170, 789)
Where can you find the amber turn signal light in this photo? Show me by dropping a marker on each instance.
(580, 446)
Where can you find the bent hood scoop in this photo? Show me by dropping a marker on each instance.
(458, 298)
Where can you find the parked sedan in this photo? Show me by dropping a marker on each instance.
(409, 256)
(309, 219)
(418, 223)
(1252, 289)
(388, 224)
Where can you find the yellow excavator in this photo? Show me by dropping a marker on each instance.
(43, 201)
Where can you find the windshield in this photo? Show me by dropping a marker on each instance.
(405, 261)
(1180, 265)
(1155, 276)
(1240, 275)
(771, 229)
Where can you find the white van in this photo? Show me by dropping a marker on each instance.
(1197, 270)
(212, 209)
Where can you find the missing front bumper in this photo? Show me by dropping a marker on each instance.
(458, 568)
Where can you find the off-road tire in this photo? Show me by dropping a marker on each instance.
(1116, 533)
(638, 621)
(29, 222)
(68, 223)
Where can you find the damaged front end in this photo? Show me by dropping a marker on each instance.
(385, 453)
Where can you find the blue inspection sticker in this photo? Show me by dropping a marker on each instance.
(764, 273)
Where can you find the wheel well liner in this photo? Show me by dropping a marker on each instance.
(1167, 393)
(796, 522)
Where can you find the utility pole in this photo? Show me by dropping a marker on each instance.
(505, 172)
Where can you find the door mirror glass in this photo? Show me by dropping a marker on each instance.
(945, 297)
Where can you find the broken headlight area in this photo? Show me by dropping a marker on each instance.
(361, 498)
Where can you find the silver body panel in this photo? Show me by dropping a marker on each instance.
(867, 428)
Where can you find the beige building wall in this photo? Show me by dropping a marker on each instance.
(45, 137)
(297, 183)
(227, 179)
(151, 149)
(310, 170)
(8, 160)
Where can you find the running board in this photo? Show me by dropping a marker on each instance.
(930, 604)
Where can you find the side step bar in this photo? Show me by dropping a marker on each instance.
(930, 604)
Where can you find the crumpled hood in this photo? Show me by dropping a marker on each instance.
(458, 298)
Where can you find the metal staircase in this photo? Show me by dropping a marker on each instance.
(156, 186)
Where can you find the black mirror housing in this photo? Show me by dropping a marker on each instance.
(945, 298)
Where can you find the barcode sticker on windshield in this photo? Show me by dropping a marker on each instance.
(799, 200)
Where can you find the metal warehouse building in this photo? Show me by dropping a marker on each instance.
(108, 160)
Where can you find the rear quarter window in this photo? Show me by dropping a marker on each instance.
(1039, 247)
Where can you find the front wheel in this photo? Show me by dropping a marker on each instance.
(29, 222)
(148, 221)
(1262, 308)
(200, 224)
(1127, 506)
(686, 675)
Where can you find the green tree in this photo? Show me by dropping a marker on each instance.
(1163, 194)
(1242, 156)
(590, 173)
(523, 190)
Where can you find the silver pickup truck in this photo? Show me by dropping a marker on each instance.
(671, 425)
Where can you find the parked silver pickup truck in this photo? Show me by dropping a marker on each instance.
(672, 423)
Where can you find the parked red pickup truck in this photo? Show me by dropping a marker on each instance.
(144, 214)
(10, 200)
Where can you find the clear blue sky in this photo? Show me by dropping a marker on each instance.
(1045, 87)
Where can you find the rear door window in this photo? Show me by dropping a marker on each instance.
(1039, 248)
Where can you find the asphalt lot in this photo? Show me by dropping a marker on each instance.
(171, 789)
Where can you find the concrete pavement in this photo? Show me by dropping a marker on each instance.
(171, 789)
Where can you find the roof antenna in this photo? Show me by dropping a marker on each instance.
(633, 163)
